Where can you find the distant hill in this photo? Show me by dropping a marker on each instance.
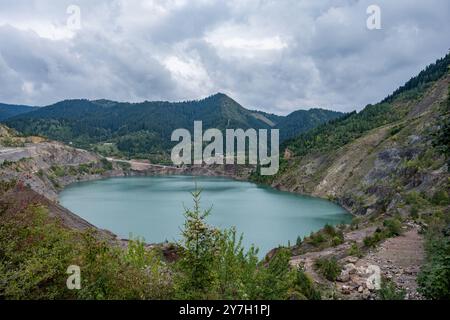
(141, 129)
(10, 110)
(388, 162)
(395, 107)
(294, 124)
(373, 160)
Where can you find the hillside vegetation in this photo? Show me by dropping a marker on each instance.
(389, 161)
(388, 164)
(143, 130)
(8, 110)
(211, 263)
(368, 159)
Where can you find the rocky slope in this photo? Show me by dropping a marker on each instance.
(393, 171)
(48, 166)
(374, 173)
(144, 129)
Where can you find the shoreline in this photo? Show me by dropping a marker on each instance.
(187, 172)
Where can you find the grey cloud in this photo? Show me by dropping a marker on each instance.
(92, 68)
(272, 55)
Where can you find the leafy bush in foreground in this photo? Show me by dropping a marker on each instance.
(214, 264)
(36, 250)
(391, 228)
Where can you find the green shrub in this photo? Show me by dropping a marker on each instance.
(389, 291)
(337, 240)
(434, 277)
(6, 185)
(329, 230)
(72, 171)
(214, 265)
(107, 165)
(394, 130)
(316, 239)
(275, 280)
(373, 240)
(369, 241)
(58, 171)
(304, 287)
(329, 268)
(6, 164)
(415, 198)
(37, 250)
(414, 212)
(34, 257)
(393, 227)
(355, 251)
(440, 198)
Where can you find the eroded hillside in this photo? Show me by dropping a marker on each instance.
(375, 172)
(388, 165)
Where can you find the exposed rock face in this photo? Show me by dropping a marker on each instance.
(375, 174)
(33, 159)
(32, 165)
(42, 168)
(19, 198)
(366, 175)
(369, 175)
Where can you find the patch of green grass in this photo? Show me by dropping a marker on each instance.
(391, 228)
(434, 277)
(304, 287)
(415, 198)
(355, 251)
(58, 171)
(328, 267)
(441, 198)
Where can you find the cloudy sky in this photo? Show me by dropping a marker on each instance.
(272, 55)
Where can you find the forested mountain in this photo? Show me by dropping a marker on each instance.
(10, 110)
(392, 159)
(143, 129)
(431, 73)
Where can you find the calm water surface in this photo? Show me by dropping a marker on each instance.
(152, 207)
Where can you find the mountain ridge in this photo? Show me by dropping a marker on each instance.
(144, 129)
(11, 110)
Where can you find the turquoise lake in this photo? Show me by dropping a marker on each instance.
(152, 208)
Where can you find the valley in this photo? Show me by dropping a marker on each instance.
(387, 165)
(143, 130)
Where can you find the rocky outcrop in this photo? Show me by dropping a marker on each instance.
(374, 172)
(375, 177)
(397, 259)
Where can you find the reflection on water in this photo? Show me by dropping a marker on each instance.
(152, 207)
